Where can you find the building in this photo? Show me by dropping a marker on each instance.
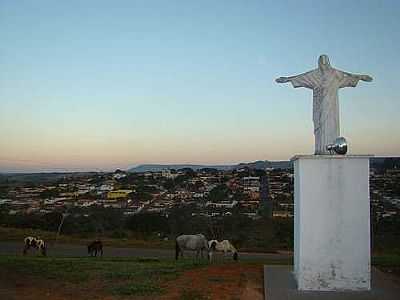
(118, 194)
(251, 184)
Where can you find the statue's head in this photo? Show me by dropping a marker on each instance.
(323, 62)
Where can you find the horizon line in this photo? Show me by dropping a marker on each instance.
(89, 170)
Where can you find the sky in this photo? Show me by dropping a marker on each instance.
(100, 85)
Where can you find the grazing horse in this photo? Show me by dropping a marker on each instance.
(36, 243)
(224, 246)
(95, 246)
(192, 242)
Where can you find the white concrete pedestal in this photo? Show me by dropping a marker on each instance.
(332, 222)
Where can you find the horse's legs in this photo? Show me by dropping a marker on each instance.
(26, 248)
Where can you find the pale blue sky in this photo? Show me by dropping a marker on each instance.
(106, 84)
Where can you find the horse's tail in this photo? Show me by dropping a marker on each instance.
(177, 249)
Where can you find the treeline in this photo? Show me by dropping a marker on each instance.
(386, 234)
(263, 234)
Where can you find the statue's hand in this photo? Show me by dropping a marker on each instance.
(282, 80)
(366, 78)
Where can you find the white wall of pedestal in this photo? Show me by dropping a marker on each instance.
(332, 222)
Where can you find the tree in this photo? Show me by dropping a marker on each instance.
(147, 223)
(219, 193)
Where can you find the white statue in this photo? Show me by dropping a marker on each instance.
(325, 82)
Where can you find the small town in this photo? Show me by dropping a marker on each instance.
(209, 192)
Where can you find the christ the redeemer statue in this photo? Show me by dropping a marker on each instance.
(325, 82)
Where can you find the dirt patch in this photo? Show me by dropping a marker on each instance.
(15, 287)
(231, 281)
(392, 271)
(220, 282)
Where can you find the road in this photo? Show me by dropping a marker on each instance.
(72, 250)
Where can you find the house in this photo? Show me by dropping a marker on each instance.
(118, 194)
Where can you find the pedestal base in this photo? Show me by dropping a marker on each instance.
(279, 284)
(332, 223)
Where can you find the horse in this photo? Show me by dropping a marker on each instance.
(36, 243)
(192, 242)
(95, 246)
(224, 246)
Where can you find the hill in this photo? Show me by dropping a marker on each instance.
(157, 168)
(376, 162)
(261, 164)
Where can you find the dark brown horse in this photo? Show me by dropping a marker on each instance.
(94, 247)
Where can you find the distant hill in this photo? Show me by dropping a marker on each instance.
(376, 162)
(385, 162)
(262, 165)
(33, 178)
(265, 164)
(157, 168)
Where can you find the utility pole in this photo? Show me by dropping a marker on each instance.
(64, 215)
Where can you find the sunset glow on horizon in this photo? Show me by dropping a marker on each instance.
(98, 86)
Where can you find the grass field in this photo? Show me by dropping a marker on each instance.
(115, 276)
(18, 234)
(38, 277)
(138, 278)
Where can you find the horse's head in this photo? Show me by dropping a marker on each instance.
(212, 245)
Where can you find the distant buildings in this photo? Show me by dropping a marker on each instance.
(251, 184)
(248, 192)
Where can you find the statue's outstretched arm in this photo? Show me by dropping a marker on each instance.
(306, 80)
(351, 80)
(285, 79)
(359, 76)
(290, 78)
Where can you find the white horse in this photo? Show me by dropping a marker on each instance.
(224, 246)
(37, 243)
(192, 242)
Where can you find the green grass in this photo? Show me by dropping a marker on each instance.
(392, 260)
(120, 276)
(18, 234)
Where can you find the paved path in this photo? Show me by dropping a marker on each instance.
(71, 250)
(279, 284)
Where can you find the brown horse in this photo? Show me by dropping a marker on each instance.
(36, 243)
(94, 247)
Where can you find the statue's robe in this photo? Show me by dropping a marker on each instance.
(325, 86)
